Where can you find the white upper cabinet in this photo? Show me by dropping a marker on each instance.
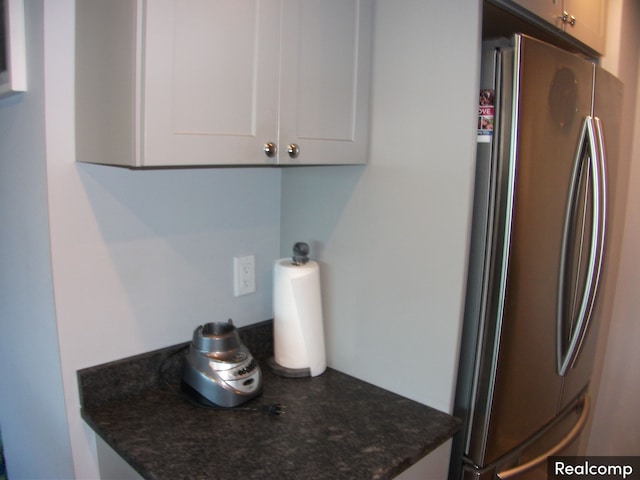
(585, 20)
(325, 81)
(548, 10)
(214, 82)
(210, 81)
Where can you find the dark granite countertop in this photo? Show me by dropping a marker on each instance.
(335, 426)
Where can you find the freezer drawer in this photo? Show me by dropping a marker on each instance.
(559, 438)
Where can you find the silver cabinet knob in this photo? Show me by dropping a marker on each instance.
(568, 18)
(294, 150)
(270, 149)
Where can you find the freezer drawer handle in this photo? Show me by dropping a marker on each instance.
(570, 437)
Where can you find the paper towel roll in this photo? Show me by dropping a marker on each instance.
(298, 333)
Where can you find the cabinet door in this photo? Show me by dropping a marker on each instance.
(548, 10)
(586, 20)
(209, 88)
(590, 22)
(325, 81)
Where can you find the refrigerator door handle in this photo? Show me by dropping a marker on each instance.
(600, 164)
(588, 164)
(570, 437)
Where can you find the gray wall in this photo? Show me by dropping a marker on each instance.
(392, 237)
(32, 415)
(100, 263)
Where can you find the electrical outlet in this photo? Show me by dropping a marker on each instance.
(244, 275)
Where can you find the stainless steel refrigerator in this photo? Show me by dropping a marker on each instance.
(539, 240)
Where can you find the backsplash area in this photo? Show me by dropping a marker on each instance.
(130, 376)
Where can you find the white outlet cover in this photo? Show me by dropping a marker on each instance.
(244, 275)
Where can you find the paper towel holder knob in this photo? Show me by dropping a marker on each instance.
(300, 253)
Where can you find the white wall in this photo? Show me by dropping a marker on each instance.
(32, 414)
(392, 237)
(137, 259)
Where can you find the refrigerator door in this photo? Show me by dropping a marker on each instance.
(547, 94)
(607, 109)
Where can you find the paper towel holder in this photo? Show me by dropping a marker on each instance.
(300, 253)
(288, 372)
(300, 259)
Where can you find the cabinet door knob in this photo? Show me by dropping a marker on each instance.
(568, 18)
(294, 150)
(270, 149)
